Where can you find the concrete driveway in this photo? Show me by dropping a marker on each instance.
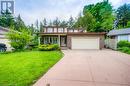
(89, 68)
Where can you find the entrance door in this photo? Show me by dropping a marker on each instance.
(63, 41)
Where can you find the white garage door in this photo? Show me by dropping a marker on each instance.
(85, 43)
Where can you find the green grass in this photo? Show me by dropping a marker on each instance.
(24, 68)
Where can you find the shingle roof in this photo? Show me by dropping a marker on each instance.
(119, 32)
(5, 29)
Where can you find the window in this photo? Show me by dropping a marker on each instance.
(65, 30)
(71, 30)
(55, 40)
(50, 40)
(50, 30)
(55, 30)
(60, 30)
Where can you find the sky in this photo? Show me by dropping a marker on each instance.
(31, 10)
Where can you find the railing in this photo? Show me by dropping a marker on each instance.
(62, 30)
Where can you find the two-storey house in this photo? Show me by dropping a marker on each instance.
(72, 38)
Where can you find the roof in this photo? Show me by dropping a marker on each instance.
(4, 29)
(87, 33)
(61, 27)
(77, 33)
(119, 32)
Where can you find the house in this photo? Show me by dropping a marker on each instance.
(3, 38)
(117, 35)
(72, 38)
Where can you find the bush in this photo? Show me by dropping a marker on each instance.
(19, 40)
(49, 47)
(123, 44)
(124, 50)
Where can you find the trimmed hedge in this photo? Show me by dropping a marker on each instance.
(48, 47)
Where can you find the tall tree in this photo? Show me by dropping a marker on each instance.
(103, 13)
(19, 23)
(63, 23)
(123, 15)
(44, 22)
(41, 26)
(56, 22)
(6, 19)
(50, 23)
(37, 24)
(71, 22)
(87, 22)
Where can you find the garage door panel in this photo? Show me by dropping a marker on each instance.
(85, 43)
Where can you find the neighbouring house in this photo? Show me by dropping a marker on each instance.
(114, 36)
(68, 38)
(3, 38)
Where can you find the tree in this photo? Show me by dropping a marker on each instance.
(103, 13)
(44, 22)
(71, 22)
(87, 22)
(56, 22)
(6, 19)
(41, 26)
(19, 23)
(50, 23)
(19, 40)
(37, 24)
(63, 23)
(123, 15)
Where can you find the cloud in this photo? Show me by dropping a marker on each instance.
(31, 10)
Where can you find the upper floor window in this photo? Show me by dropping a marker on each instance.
(55, 30)
(50, 30)
(71, 30)
(60, 30)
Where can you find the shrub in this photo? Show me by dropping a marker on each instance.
(124, 49)
(48, 47)
(123, 44)
(19, 40)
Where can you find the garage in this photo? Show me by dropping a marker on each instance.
(85, 43)
(3, 38)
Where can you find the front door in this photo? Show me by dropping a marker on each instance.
(63, 41)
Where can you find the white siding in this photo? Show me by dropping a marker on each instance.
(123, 37)
(2, 36)
(129, 38)
(4, 40)
(2, 32)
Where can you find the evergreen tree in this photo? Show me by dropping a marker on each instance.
(6, 19)
(44, 22)
(19, 23)
(56, 22)
(71, 22)
(123, 15)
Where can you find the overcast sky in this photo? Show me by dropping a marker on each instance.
(30, 10)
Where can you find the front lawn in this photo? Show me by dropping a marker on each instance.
(24, 68)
